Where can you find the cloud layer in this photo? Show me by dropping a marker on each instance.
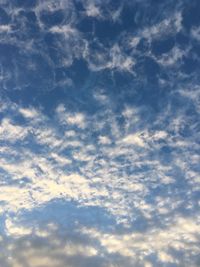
(99, 133)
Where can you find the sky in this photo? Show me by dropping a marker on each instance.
(99, 133)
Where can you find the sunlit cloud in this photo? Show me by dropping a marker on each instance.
(99, 133)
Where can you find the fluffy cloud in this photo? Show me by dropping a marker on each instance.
(162, 242)
(134, 139)
(11, 132)
(77, 119)
(106, 120)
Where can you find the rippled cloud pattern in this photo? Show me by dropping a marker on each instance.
(99, 133)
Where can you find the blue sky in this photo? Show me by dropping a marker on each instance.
(99, 133)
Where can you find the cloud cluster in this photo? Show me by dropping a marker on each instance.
(99, 133)
(72, 159)
(54, 245)
(50, 38)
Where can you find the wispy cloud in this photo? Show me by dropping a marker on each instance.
(99, 134)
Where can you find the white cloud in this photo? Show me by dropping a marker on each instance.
(134, 139)
(52, 6)
(60, 159)
(46, 247)
(67, 30)
(112, 58)
(16, 230)
(164, 257)
(5, 28)
(45, 135)
(104, 140)
(75, 119)
(11, 132)
(160, 135)
(77, 162)
(80, 250)
(29, 113)
(134, 41)
(64, 144)
(101, 96)
(167, 26)
(120, 61)
(195, 32)
(93, 10)
(171, 58)
(178, 235)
